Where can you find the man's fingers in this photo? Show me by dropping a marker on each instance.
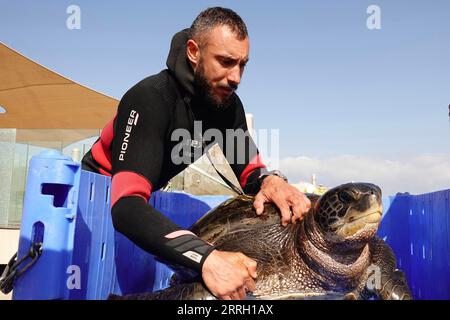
(297, 208)
(306, 205)
(249, 263)
(250, 284)
(300, 207)
(284, 206)
(285, 215)
(251, 266)
(223, 284)
(235, 295)
(285, 200)
(258, 204)
(296, 213)
(299, 211)
(241, 293)
(307, 202)
(285, 211)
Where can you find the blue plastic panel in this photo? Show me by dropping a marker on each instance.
(417, 227)
(109, 262)
(94, 238)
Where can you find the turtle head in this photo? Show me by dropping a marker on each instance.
(350, 211)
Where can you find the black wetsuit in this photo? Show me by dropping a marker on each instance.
(137, 150)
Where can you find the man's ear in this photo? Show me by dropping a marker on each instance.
(193, 52)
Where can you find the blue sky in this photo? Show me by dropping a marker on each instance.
(333, 87)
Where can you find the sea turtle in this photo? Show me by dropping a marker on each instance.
(332, 254)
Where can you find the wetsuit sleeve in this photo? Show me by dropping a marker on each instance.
(137, 160)
(245, 160)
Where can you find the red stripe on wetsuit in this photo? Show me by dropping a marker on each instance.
(255, 163)
(101, 150)
(128, 183)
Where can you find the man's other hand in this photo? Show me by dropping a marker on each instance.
(229, 275)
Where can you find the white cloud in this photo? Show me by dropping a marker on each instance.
(419, 174)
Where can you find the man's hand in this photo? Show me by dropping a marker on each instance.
(286, 197)
(228, 275)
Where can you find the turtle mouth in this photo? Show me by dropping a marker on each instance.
(358, 221)
(371, 217)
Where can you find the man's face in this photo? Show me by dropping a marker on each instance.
(221, 64)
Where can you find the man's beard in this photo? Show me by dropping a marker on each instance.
(205, 93)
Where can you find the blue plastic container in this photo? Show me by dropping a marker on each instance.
(49, 217)
(83, 257)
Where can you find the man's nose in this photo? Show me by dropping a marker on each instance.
(234, 76)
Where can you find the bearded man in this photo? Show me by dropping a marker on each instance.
(137, 149)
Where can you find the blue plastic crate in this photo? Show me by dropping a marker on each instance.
(71, 209)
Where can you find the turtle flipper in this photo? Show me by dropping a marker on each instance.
(394, 287)
(390, 283)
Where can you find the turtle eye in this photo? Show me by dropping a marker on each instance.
(346, 197)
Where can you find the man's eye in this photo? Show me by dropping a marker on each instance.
(227, 63)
